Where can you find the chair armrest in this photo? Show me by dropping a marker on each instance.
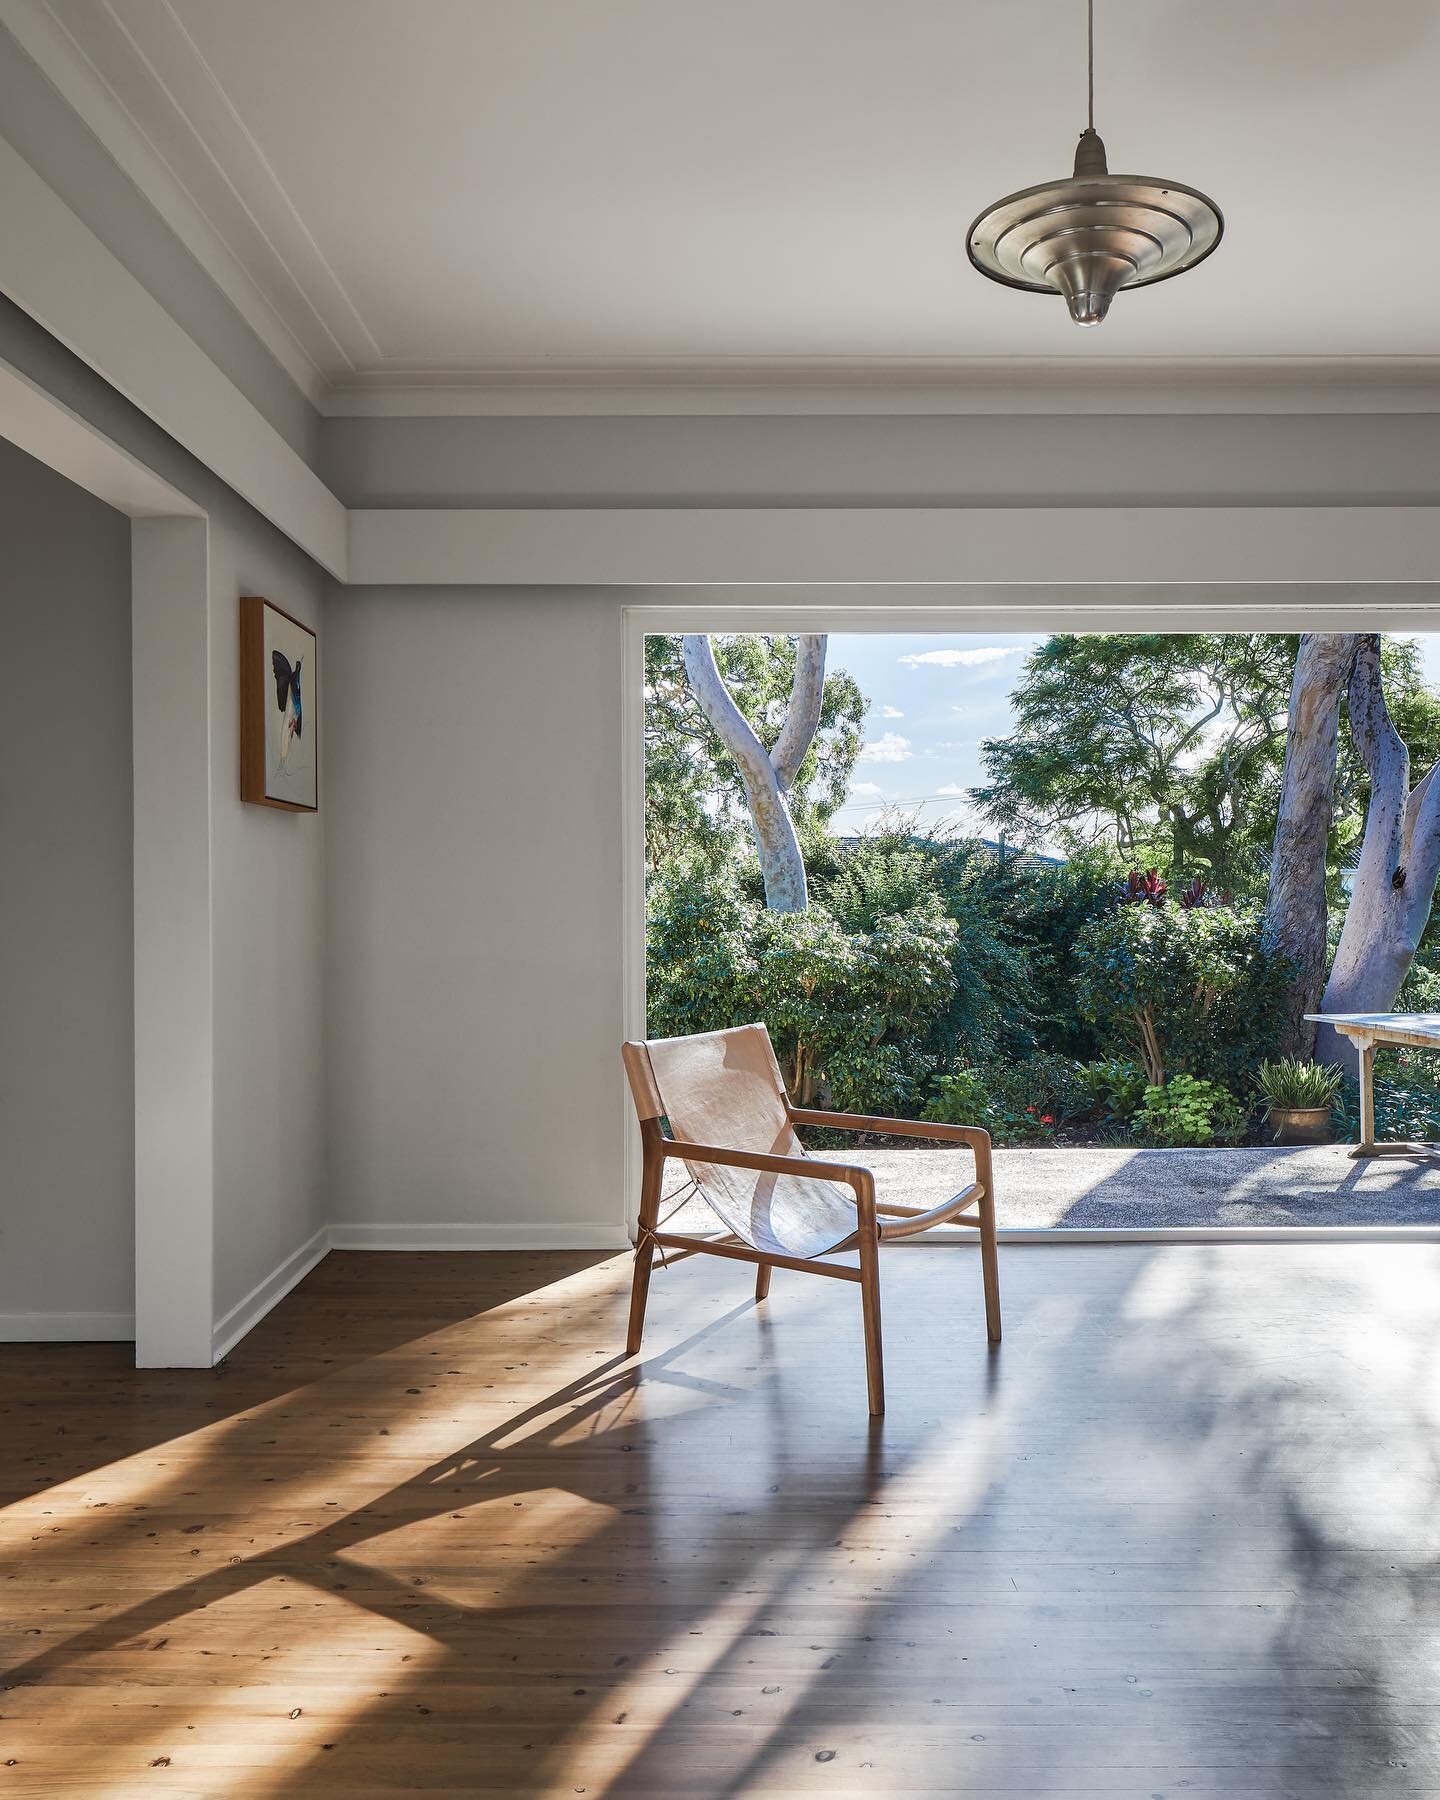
(860, 1179)
(916, 1128)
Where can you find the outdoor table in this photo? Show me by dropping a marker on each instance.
(1367, 1031)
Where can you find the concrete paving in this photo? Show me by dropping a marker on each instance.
(1317, 1185)
(1090, 1189)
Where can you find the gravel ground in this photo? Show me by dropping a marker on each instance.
(1092, 1189)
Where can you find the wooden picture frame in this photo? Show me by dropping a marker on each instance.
(279, 708)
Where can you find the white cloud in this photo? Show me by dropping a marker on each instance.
(960, 659)
(952, 790)
(891, 712)
(866, 790)
(888, 748)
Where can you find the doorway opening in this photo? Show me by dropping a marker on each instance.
(1036, 858)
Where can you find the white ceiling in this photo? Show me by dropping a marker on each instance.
(463, 191)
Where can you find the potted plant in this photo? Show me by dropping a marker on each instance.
(1298, 1096)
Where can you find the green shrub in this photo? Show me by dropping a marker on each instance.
(1290, 1083)
(961, 1098)
(1183, 990)
(964, 1098)
(1044, 912)
(1421, 992)
(1044, 1087)
(892, 872)
(1190, 1111)
(1115, 1085)
(1017, 1102)
(1407, 1098)
(849, 1012)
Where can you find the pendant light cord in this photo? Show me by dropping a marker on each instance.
(1090, 83)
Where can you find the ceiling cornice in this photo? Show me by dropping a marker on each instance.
(83, 87)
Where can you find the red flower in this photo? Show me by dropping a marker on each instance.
(1045, 1119)
(1030, 1109)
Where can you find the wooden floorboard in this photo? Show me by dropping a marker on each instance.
(426, 1531)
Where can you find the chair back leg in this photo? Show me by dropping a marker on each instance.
(870, 1306)
(763, 1273)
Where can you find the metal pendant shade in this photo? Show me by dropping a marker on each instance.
(1092, 235)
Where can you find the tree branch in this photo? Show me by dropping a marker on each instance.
(802, 717)
(781, 863)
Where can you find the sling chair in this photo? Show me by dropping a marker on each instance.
(732, 1125)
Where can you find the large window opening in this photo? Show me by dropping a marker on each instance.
(1079, 888)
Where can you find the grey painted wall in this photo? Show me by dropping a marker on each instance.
(67, 1187)
(268, 868)
(473, 818)
(475, 934)
(1216, 460)
(61, 148)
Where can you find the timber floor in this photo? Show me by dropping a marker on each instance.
(425, 1532)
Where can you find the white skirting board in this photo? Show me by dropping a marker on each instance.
(67, 1328)
(247, 1313)
(522, 1235)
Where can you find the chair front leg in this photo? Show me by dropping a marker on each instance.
(989, 1248)
(653, 1171)
(869, 1247)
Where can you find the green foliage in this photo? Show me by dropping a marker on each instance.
(1017, 1102)
(1194, 991)
(1291, 1083)
(1045, 1087)
(1190, 1111)
(1038, 911)
(891, 872)
(961, 1098)
(849, 1012)
(1115, 1085)
(1167, 747)
(924, 954)
(1169, 750)
(1407, 1098)
(1421, 992)
(694, 798)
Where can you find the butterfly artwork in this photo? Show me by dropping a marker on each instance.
(279, 708)
(287, 699)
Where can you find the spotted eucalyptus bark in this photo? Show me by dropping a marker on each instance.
(768, 776)
(1395, 876)
(1295, 906)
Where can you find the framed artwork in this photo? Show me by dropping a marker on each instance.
(279, 708)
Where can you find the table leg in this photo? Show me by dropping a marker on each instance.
(1366, 1146)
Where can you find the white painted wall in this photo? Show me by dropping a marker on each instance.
(473, 819)
(268, 911)
(66, 1057)
(267, 878)
(173, 986)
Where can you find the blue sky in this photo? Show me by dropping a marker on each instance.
(932, 700)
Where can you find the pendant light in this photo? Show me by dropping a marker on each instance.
(1095, 233)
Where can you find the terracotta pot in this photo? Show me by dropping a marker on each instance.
(1300, 1124)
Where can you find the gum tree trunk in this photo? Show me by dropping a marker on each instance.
(1399, 861)
(1295, 910)
(768, 775)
